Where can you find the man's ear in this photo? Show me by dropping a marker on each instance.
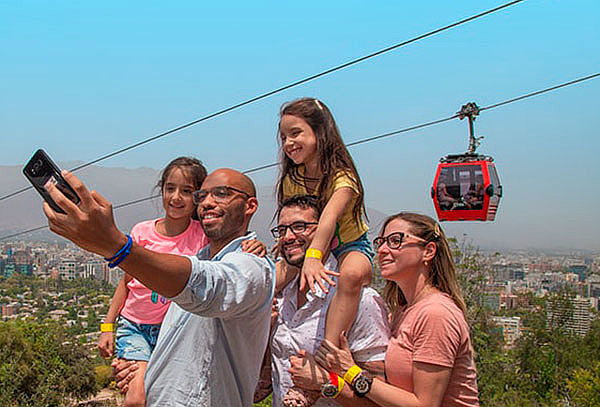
(430, 251)
(251, 206)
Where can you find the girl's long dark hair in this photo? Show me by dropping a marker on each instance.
(334, 158)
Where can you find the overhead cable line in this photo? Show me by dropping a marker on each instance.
(539, 92)
(363, 141)
(278, 90)
(24, 232)
(119, 206)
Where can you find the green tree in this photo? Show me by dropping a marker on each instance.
(104, 375)
(39, 366)
(584, 387)
(92, 321)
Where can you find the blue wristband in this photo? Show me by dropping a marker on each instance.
(121, 250)
(120, 259)
(121, 254)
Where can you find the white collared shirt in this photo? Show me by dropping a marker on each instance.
(304, 328)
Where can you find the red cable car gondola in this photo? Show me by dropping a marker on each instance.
(466, 186)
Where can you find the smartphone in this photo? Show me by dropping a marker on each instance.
(39, 170)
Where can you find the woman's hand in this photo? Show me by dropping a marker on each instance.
(337, 360)
(255, 247)
(313, 270)
(306, 373)
(106, 344)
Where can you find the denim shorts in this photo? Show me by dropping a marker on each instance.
(136, 341)
(362, 245)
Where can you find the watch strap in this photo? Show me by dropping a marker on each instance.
(351, 374)
(340, 386)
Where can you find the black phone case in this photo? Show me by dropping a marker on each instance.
(40, 158)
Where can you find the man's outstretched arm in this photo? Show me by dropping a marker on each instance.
(90, 225)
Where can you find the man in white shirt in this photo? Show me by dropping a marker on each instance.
(300, 323)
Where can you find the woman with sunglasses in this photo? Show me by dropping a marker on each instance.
(429, 360)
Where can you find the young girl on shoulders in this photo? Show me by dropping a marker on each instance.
(315, 161)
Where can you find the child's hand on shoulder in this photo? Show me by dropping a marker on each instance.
(255, 247)
(314, 271)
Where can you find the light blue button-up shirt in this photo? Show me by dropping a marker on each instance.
(213, 337)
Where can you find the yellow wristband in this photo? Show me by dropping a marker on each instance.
(314, 254)
(351, 374)
(341, 384)
(107, 327)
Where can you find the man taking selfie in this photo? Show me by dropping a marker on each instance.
(212, 339)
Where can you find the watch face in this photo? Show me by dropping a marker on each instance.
(362, 385)
(328, 390)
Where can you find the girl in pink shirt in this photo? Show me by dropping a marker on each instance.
(429, 360)
(141, 310)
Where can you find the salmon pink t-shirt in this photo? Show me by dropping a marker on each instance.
(143, 305)
(434, 330)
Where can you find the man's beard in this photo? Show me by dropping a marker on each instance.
(297, 263)
(231, 221)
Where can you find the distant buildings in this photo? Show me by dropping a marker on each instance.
(573, 315)
(508, 272)
(16, 262)
(514, 281)
(68, 269)
(53, 260)
(10, 310)
(95, 270)
(511, 329)
(581, 270)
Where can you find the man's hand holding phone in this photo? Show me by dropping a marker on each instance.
(90, 224)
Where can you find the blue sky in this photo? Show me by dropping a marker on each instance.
(81, 79)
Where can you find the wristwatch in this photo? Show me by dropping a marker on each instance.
(362, 384)
(328, 390)
(334, 387)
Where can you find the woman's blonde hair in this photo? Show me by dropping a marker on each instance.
(442, 272)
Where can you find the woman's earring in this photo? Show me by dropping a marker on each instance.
(425, 263)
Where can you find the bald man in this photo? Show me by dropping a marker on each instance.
(212, 339)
